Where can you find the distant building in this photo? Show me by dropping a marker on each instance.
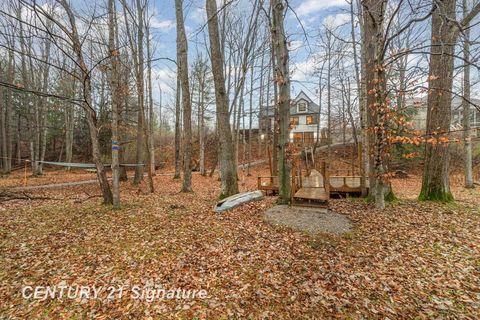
(303, 120)
(419, 118)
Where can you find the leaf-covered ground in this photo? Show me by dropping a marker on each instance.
(414, 260)
(18, 178)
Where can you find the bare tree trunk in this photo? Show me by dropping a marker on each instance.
(363, 151)
(250, 126)
(374, 12)
(123, 110)
(182, 61)
(6, 124)
(329, 98)
(113, 51)
(139, 158)
(44, 106)
(261, 110)
(9, 113)
(236, 133)
(275, 112)
(445, 30)
(244, 141)
(201, 114)
(151, 140)
(177, 126)
(467, 133)
(436, 182)
(69, 124)
(202, 135)
(27, 83)
(268, 128)
(229, 183)
(143, 141)
(3, 145)
(283, 81)
(87, 106)
(319, 115)
(139, 152)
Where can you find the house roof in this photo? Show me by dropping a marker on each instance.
(421, 102)
(312, 107)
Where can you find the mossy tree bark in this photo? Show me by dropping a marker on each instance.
(436, 183)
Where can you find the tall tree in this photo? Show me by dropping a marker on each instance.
(445, 30)
(374, 38)
(114, 53)
(87, 104)
(228, 170)
(282, 78)
(6, 116)
(182, 60)
(467, 132)
(359, 65)
(151, 116)
(178, 114)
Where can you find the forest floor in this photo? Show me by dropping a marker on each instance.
(413, 260)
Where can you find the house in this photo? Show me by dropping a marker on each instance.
(419, 117)
(303, 120)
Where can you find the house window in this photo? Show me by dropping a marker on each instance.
(297, 138)
(311, 120)
(308, 138)
(294, 121)
(302, 107)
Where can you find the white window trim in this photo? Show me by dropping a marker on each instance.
(298, 106)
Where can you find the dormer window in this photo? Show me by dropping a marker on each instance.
(302, 106)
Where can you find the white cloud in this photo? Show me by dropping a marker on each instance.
(302, 71)
(312, 6)
(199, 15)
(165, 77)
(336, 20)
(162, 25)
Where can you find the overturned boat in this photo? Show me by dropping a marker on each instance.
(237, 200)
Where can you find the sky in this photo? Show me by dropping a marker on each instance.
(304, 21)
(308, 13)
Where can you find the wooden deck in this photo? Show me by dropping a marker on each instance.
(312, 194)
(314, 180)
(268, 184)
(312, 191)
(346, 184)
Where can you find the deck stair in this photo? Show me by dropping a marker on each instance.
(310, 190)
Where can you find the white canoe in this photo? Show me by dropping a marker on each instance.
(237, 200)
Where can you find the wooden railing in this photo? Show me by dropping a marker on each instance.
(326, 176)
(267, 183)
(296, 177)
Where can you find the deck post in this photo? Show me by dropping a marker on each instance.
(326, 182)
(294, 184)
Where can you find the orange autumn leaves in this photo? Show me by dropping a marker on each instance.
(416, 140)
